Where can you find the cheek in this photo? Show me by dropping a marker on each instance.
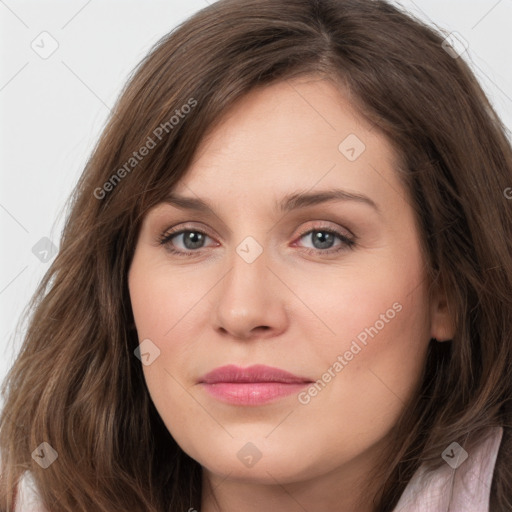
(161, 298)
(381, 305)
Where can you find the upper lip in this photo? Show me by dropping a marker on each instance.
(255, 373)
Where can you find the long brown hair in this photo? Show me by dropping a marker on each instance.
(76, 383)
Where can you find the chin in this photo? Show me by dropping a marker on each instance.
(257, 462)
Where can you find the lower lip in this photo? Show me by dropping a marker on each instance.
(252, 393)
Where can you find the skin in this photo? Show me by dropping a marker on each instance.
(287, 309)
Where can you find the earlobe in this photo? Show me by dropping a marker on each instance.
(442, 318)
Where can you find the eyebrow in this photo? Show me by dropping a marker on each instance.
(289, 202)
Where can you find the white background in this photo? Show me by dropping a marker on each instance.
(52, 110)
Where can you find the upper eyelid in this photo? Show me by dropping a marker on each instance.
(176, 231)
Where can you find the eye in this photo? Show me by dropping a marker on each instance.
(324, 239)
(191, 239)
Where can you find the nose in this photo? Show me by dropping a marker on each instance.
(251, 300)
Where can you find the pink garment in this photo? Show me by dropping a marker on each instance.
(465, 489)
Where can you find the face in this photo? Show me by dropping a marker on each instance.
(271, 272)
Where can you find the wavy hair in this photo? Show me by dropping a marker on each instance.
(76, 383)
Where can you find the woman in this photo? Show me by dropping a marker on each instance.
(284, 282)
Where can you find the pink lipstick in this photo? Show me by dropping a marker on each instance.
(254, 385)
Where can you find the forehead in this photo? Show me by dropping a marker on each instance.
(303, 134)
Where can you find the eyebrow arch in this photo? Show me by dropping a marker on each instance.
(299, 200)
(290, 202)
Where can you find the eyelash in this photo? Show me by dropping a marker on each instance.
(347, 243)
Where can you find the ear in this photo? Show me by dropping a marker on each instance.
(442, 318)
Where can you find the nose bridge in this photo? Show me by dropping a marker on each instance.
(247, 278)
(246, 299)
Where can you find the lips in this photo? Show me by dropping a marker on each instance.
(254, 385)
(254, 374)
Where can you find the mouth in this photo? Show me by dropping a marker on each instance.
(254, 385)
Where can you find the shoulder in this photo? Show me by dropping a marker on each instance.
(463, 483)
(27, 497)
